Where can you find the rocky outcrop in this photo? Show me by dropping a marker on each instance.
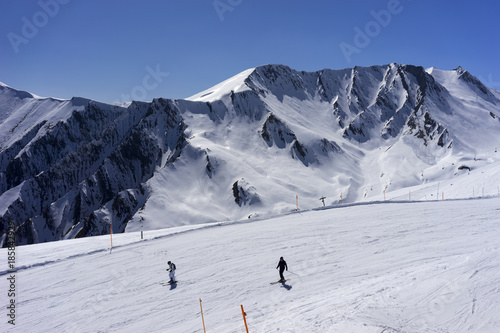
(98, 159)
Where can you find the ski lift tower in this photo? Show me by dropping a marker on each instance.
(323, 200)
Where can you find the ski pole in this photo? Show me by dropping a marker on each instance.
(244, 317)
(202, 320)
(293, 273)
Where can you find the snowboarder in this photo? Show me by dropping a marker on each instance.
(282, 265)
(171, 270)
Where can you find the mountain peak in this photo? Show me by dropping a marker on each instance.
(451, 79)
(460, 70)
(217, 92)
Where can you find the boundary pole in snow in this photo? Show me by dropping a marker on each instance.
(202, 320)
(244, 317)
(111, 234)
(341, 198)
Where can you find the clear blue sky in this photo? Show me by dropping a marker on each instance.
(111, 50)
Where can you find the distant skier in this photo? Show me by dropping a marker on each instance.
(282, 266)
(171, 270)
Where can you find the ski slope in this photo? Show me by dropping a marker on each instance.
(371, 267)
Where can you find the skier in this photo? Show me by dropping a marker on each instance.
(171, 270)
(282, 265)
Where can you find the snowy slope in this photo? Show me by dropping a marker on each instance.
(246, 148)
(387, 267)
(219, 91)
(23, 111)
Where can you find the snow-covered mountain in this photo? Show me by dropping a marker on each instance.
(251, 145)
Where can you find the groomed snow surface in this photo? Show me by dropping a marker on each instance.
(374, 267)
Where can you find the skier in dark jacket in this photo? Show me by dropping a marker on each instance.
(282, 266)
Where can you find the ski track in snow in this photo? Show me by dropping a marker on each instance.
(395, 267)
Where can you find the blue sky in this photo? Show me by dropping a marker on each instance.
(115, 51)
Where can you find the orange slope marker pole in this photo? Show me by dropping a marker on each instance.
(244, 318)
(202, 320)
(111, 235)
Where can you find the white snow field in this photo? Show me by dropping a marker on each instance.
(429, 266)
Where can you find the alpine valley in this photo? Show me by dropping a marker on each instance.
(261, 143)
